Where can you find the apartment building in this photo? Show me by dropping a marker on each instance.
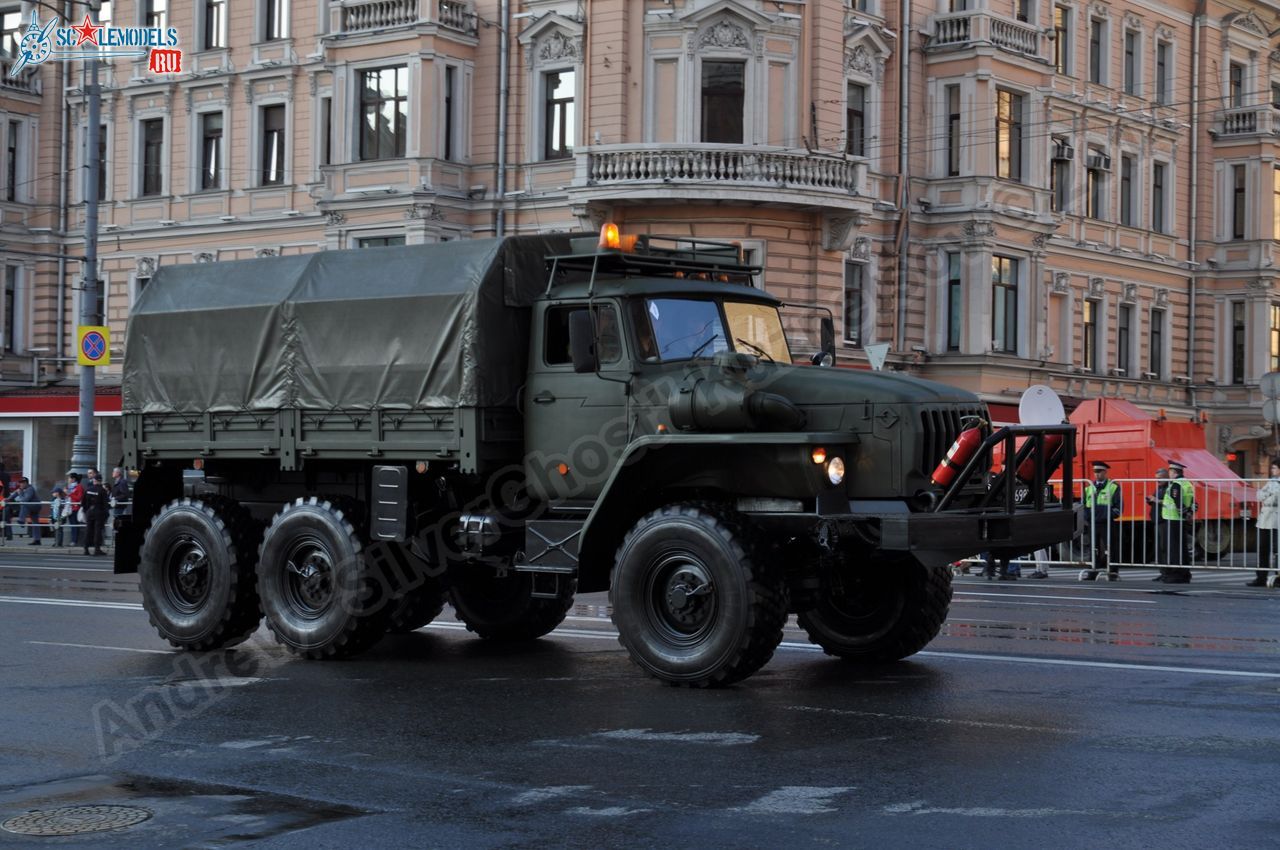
(1008, 192)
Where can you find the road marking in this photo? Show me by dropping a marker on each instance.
(718, 739)
(1108, 665)
(608, 812)
(919, 808)
(795, 800)
(96, 646)
(72, 603)
(1067, 598)
(944, 721)
(106, 570)
(535, 796)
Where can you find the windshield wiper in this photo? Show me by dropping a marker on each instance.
(755, 348)
(700, 348)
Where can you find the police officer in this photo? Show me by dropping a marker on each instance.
(1176, 507)
(1102, 507)
(96, 510)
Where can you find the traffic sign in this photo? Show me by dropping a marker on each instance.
(1271, 411)
(1270, 385)
(876, 354)
(93, 345)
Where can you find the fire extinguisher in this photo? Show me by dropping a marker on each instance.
(1027, 469)
(960, 453)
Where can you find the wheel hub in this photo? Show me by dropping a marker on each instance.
(686, 601)
(309, 578)
(188, 574)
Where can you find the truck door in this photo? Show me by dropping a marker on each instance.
(575, 424)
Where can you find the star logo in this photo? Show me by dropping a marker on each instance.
(87, 32)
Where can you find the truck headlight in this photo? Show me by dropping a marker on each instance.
(835, 470)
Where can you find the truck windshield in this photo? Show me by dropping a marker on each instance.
(681, 329)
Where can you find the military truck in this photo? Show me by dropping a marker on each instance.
(340, 442)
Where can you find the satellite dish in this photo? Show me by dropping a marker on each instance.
(1040, 405)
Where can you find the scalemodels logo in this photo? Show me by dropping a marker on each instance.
(43, 42)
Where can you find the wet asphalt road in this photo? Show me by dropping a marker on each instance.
(1048, 714)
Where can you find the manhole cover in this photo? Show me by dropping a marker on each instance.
(75, 820)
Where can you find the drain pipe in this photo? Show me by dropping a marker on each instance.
(1196, 25)
(904, 185)
(63, 178)
(504, 92)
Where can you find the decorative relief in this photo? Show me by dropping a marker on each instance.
(204, 257)
(1164, 33)
(1131, 293)
(1249, 23)
(976, 230)
(147, 266)
(268, 252)
(1132, 21)
(1040, 240)
(425, 212)
(861, 248)
(1096, 287)
(559, 46)
(860, 61)
(1099, 10)
(1258, 284)
(1061, 283)
(724, 35)
(838, 231)
(333, 218)
(1162, 298)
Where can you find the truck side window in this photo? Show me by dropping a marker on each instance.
(556, 339)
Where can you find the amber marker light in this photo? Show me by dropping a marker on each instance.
(609, 237)
(819, 455)
(662, 429)
(562, 468)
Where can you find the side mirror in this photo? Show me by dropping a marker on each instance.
(828, 337)
(582, 341)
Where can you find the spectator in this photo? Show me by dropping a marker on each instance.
(1103, 505)
(1268, 524)
(96, 511)
(75, 500)
(29, 502)
(59, 507)
(119, 493)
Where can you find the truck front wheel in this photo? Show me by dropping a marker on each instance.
(694, 602)
(883, 612)
(196, 574)
(321, 596)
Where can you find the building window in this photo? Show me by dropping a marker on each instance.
(1062, 39)
(1127, 216)
(384, 98)
(723, 98)
(1237, 342)
(273, 145)
(1060, 184)
(1275, 95)
(215, 24)
(11, 30)
(855, 121)
(559, 117)
(449, 106)
(1239, 194)
(1124, 337)
(958, 5)
(1235, 85)
(326, 131)
(11, 161)
(953, 131)
(1008, 135)
(1273, 364)
(1163, 53)
(1155, 354)
(104, 13)
(1022, 10)
(1130, 62)
(155, 14)
(1090, 360)
(1004, 304)
(1158, 223)
(379, 241)
(275, 20)
(1096, 184)
(11, 307)
(211, 150)
(955, 302)
(853, 303)
(1097, 48)
(1275, 203)
(152, 157)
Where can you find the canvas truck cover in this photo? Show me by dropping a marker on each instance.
(407, 327)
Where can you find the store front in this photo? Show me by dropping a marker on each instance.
(38, 428)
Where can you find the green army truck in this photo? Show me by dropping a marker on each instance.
(341, 442)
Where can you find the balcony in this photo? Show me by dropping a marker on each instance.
(27, 81)
(369, 16)
(711, 172)
(1246, 121)
(961, 30)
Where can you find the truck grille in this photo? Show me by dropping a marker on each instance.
(939, 427)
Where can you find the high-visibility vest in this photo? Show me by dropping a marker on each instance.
(1174, 503)
(1103, 497)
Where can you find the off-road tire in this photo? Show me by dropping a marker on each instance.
(417, 608)
(888, 612)
(316, 617)
(499, 605)
(734, 622)
(214, 605)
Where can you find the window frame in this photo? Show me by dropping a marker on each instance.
(703, 97)
(1156, 342)
(1238, 193)
(400, 134)
(1005, 285)
(952, 102)
(213, 24)
(1132, 82)
(855, 119)
(13, 273)
(144, 147)
(1163, 71)
(262, 137)
(559, 112)
(1062, 55)
(1089, 360)
(1009, 134)
(219, 182)
(1236, 72)
(954, 338)
(1128, 199)
(273, 21)
(1124, 338)
(154, 13)
(1098, 53)
(1096, 189)
(1159, 196)
(1273, 352)
(856, 287)
(13, 160)
(1238, 322)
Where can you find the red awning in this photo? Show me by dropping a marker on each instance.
(56, 401)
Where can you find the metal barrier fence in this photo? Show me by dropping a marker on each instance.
(18, 520)
(1218, 532)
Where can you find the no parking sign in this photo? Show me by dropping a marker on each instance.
(93, 345)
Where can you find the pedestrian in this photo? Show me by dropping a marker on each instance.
(1154, 500)
(119, 493)
(75, 501)
(96, 510)
(29, 502)
(58, 508)
(11, 506)
(1103, 504)
(1176, 508)
(1268, 524)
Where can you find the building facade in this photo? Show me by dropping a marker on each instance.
(1007, 192)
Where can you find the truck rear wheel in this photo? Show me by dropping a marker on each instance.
(500, 605)
(884, 613)
(321, 597)
(416, 608)
(196, 574)
(693, 601)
